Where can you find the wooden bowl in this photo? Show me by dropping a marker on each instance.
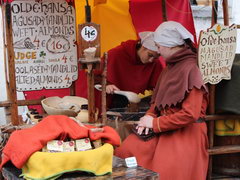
(68, 105)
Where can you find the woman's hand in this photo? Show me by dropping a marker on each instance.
(111, 88)
(146, 122)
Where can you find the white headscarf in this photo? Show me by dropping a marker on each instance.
(171, 34)
(147, 40)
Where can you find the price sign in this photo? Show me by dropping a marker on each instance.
(44, 39)
(216, 52)
(89, 36)
(89, 33)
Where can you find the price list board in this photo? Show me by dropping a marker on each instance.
(44, 40)
(216, 52)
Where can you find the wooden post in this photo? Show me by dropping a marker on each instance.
(7, 108)
(89, 34)
(164, 10)
(212, 87)
(91, 98)
(225, 12)
(214, 11)
(5, 49)
(11, 65)
(211, 109)
(73, 89)
(104, 83)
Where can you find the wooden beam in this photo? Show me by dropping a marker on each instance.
(104, 96)
(91, 98)
(224, 149)
(211, 108)
(21, 103)
(214, 11)
(225, 12)
(221, 117)
(11, 66)
(73, 89)
(164, 10)
(4, 51)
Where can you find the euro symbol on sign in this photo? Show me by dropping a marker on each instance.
(89, 33)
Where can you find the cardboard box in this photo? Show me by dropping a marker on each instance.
(69, 146)
(83, 144)
(55, 146)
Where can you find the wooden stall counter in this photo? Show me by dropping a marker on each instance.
(120, 171)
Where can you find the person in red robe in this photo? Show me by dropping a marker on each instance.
(134, 66)
(179, 149)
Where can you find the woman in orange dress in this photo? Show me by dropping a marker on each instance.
(179, 149)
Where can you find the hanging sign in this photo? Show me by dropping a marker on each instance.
(89, 33)
(89, 36)
(44, 44)
(216, 52)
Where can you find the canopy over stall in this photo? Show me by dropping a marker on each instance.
(120, 20)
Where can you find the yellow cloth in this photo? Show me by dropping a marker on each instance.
(114, 19)
(229, 127)
(45, 165)
(96, 2)
(145, 94)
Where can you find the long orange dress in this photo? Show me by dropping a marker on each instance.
(179, 152)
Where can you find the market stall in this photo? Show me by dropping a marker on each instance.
(49, 57)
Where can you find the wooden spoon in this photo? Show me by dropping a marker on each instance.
(131, 96)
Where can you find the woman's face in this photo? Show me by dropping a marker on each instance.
(146, 55)
(165, 52)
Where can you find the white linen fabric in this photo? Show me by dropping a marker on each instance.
(171, 34)
(147, 40)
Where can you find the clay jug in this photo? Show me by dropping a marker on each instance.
(83, 114)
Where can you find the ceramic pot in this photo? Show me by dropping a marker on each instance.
(83, 114)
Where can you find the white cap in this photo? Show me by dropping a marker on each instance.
(147, 40)
(171, 34)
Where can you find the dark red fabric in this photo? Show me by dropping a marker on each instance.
(147, 14)
(23, 143)
(127, 72)
(179, 77)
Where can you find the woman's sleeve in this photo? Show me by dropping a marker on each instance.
(151, 111)
(190, 112)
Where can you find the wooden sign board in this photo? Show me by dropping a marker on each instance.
(89, 36)
(216, 52)
(44, 36)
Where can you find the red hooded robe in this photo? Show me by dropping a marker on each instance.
(127, 72)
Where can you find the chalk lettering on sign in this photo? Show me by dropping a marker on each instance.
(58, 44)
(44, 37)
(24, 43)
(46, 7)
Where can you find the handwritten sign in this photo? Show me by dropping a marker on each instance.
(89, 33)
(44, 44)
(89, 36)
(216, 53)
